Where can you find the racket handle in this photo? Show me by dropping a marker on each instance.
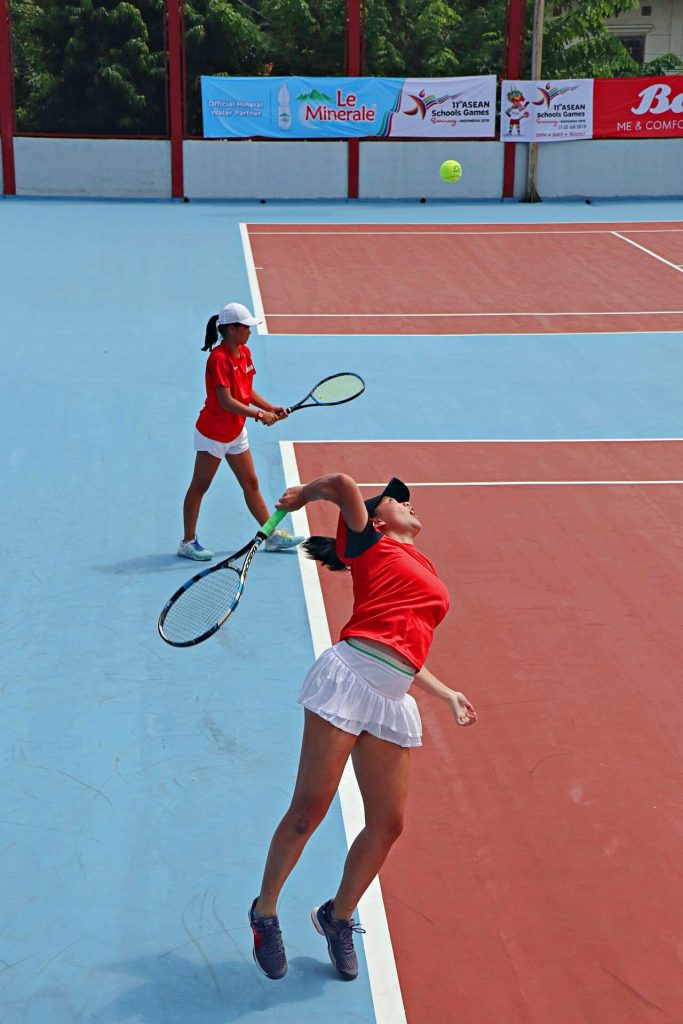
(273, 522)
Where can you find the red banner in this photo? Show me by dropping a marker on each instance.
(638, 108)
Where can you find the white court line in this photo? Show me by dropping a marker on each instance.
(607, 230)
(445, 316)
(492, 440)
(382, 973)
(648, 251)
(257, 303)
(528, 483)
(487, 335)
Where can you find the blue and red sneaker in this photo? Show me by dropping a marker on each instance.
(269, 949)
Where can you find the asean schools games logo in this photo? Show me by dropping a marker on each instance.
(424, 103)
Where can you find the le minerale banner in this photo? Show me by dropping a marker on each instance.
(334, 108)
(601, 108)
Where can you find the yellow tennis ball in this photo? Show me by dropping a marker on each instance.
(450, 170)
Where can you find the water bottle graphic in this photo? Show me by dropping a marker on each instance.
(284, 109)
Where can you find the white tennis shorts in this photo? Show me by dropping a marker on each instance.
(220, 449)
(358, 689)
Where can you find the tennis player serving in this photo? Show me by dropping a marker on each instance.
(356, 704)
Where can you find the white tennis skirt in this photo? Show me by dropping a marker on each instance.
(358, 689)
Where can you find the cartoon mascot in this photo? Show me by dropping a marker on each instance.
(517, 111)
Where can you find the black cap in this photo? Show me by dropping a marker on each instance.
(395, 489)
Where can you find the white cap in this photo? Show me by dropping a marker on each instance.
(236, 313)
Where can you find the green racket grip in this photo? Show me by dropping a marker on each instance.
(272, 523)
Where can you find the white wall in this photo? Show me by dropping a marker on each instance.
(219, 169)
(408, 170)
(611, 167)
(93, 167)
(318, 170)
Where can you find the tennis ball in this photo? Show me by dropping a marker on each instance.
(450, 170)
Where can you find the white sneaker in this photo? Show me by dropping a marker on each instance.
(281, 540)
(193, 549)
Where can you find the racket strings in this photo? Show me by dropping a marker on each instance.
(202, 606)
(340, 388)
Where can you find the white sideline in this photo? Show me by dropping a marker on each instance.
(257, 302)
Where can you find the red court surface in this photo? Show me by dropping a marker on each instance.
(538, 880)
(469, 279)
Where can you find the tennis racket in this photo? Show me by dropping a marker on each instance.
(204, 603)
(334, 390)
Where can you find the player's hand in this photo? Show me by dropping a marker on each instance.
(462, 709)
(280, 411)
(292, 499)
(268, 418)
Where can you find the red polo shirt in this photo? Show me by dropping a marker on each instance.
(236, 372)
(398, 598)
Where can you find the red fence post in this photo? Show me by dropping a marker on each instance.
(513, 60)
(354, 68)
(6, 102)
(176, 87)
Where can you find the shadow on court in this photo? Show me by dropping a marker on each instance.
(152, 564)
(172, 990)
(164, 562)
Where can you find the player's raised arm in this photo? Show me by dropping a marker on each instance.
(338, 488)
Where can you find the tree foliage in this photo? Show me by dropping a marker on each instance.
(305, 37)
(94, 67)
(98, 66)
(577, 44)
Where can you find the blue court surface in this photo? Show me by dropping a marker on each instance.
(143, 783)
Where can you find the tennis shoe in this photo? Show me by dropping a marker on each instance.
(269, 949)
(281, 540)
(193, 549)
(339, 935)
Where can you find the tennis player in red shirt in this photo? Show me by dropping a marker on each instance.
(357, 704)
(220, 431)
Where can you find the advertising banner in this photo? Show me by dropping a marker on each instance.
(333, 108)
(638, 108)
(545, 111)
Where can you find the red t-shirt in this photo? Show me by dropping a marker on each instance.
(398, 598)
(223, 369)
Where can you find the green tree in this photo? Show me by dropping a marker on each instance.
(220, 39)
(466, 37)
(96, 67)
(578, 44)
(415, 38)
(304, 37)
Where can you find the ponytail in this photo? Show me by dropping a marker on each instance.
(324, 550)
(211, 335)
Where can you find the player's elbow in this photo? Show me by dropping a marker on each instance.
(341, 487)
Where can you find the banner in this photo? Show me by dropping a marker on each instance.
(333, 108)
(559, 111)
(638, 108)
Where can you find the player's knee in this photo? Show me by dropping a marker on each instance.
(305, 819)
(391, 826)
(250, 484)
(198, 488)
